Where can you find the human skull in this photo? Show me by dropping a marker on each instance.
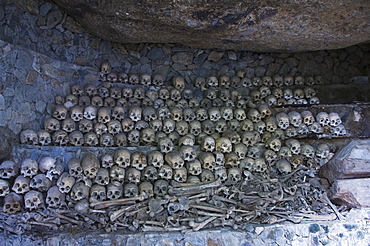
(180, 175)
(4, 188)
(91, 139)
(314, 100)
(76, 138)
(240, 114)
(246, 125)
(21, 185)
(254, 115)
(146, 189)
(284, 152)
(234, 174)
(283, 120)
(267, 81)
(232, 135)
(298, 94)
(208, 144)
(65, 182)
(295, 118)
(256, 95)
(29, 168)
(212, 81)
(334, 119)
(283, 166)
(189, 115)
(12, 203)
(174, 159)
(323, 119)
(40, 182)
(207, 176)
(134, 79)
(98, 193)
(291, 132)
(323, 150)
(260, 165)
(85, 126)
(309, 92)
(155, 158)
(211, 94)
(75, 168)
(116, 175)
(225, 81)
(33, 200)
(68, 125)
(130, 190)
(165, 172)
(339, 130)
(106, 140)
(133, 175)
(265, 91)
(150, 173)
(54, 198)
(240, 150)
(294, 145)
(200, 83)
(202, 114)
(232, 160)
(182, 127)
(114, 191)
(149, 114)
(161, 187)
(307, 151)
(307, 117)
(315, 128)
(157, 80)
(264, 110)
(273, 143)
(145, 79)
(107, 161)
(254, 152)
(270, 156)
(29, 137)
(188, 153)
(178, 82)
(223, 144)
(176, 114)
(208, 127)
(122, 158)
(60, 112)
(102, 176)
(138, 160)
(278, 81)
(104, 115)
(248, 138)
(165, 145)
(90, 165)
(51, 125)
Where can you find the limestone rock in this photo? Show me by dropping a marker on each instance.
(261, 26)
(7, 137)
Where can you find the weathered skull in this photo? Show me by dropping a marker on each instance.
(254, 152)
(59, 100)
(334, 119)
(138, 160)
(133, 137)
(208, 144)
(29, 137)
(298, 94)
(284, 152)
(54, 198)
(76, 138)
(176, 114)
(264, 110)
(246, 125)
(133, 175)
(65, 182)
(165, 145)
(232, 135)
(150, 173)
(278, 81)
(221, 173)
(85, 126)
(12, 203)
(91, 139)
(315, 128)
(107, 161)
(106, 140)
(105, 68)
(155, 158)
(267, 81)
(165, 172)
(180, 175)
(60, 112)
(273, 143)
(227, 113)
(97, 101)
(157, 80)
(75, 168)
(271, 124)
(178, 82)
(174, 159)
(307, 151)
(194, 167)
(201, 114)
(134, 79)
(130, 190)
(114, 127)
(149, 114)
(118, 113)
(98, 193)
(247, 164)
(146, 189)
(158, 103)
(234, 174)
(270, 156)
(260, 165)
(283, 120)
(299, 80)
(91, 90)
(182, 127)
(29, 168)
(51, 125)
(236, 82)
(323, 150)
(314, 100)
(4, 188)
(294, 145)
(240, 114)
(323, 118)
(211, 94)
(223, 145)
(265, 91)
(260, 127)
(240, 150)
(219, 158)
(212, 81)
(160, 187)
(339, 130)
(207, 176)
(40, 182)
(102, 176)
(295, 118)
(33, 200)
(71, 100)
(116, 174)
(225, 81)
(114, 191)
(254, 115)
(90, 165)
(232, 160)
(68, 125)
(288, 94)
(208, 127)
(21, 185)
(145, 79)
(283, 166)
(248, 138)
(200, 83)
(104, 115)
(291, 132)
(84, 101)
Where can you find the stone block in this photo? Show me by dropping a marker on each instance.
(354, 193)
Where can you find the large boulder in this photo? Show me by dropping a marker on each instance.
(261, 26)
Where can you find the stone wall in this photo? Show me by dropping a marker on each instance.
(44, 50)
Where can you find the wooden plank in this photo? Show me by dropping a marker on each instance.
(354, 193)
(353, 161)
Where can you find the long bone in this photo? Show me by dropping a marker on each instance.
(124, 201)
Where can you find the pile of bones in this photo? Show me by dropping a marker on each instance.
(225, 158)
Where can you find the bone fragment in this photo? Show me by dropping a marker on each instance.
(124, 201)
(199, 226)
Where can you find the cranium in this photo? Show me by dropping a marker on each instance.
(133, 175)
(107, 161)
(106, 140)
(40, 182)
(256, 81)
(283, 166)
(235, 82)
(225, 81)
(155, 158)
(168, 126)
(182, 127)
(90, 165)
(273, 143)
(232, 135)
(8, 169)
(134, 137)
(334, 119)
(77, 113)
(29, 167)
(240, 114)
(195, 127)
(294, 145)
(103, 90)
(323, 150)
(65, 182)
(158, 103)
(178, 82)
(150, 173)
(146, 189)
(105, 67)
(130, 190)
(271, 124)
(59, 100)
(193, 103)
(75, 168)
(291, 132)
(84, 101)
(205, 103)
(260, 165)
(70, 101)
(164, 94)
(91, 139)
(189, 115)
(254, 152)
(165, 172)
(21, 185)
(298, 94)
(51, 125)
(207, 176)
(234, 125)
(149, 114)
(227, 113)
(160, 187)
(315, 128)
(221, 173)
(163, 113)
(232, 160)
(267, 81)
(180, 175)
(116, 175)
(246, 82)
(212, 81)
(29, 137)
(208, 144)
(217, 102)
(323, 118)
(60, 138)
(91, 90)
(295, 118)
(201, 114)
(98, 193)
(85, 126)
(314, 100)
(299, 80)
(157, 80)
(278, 81)
(339, 130)
(256, 95)
(234, 174)
(138, 160)
(12, 203)
(145, 79)
(248, 138)
(284, 152)
(223, 145)
(265, 91)
(76, 138)
(176, 114)
(200, 83)
(309, 92)
(104, 115)
(307, 151)
(264, 110)
(4, 188)
(208, 127)
(282, 120)
(134, 79)
(97, 101)
(54, 198)
(240, 150)
(194, 167)
(114, 191)
(33, 200)
(270, 156)
(139, 93)
(246, 125)
(254, 115)
(211, 94)
(288, 94)
(174, 159)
